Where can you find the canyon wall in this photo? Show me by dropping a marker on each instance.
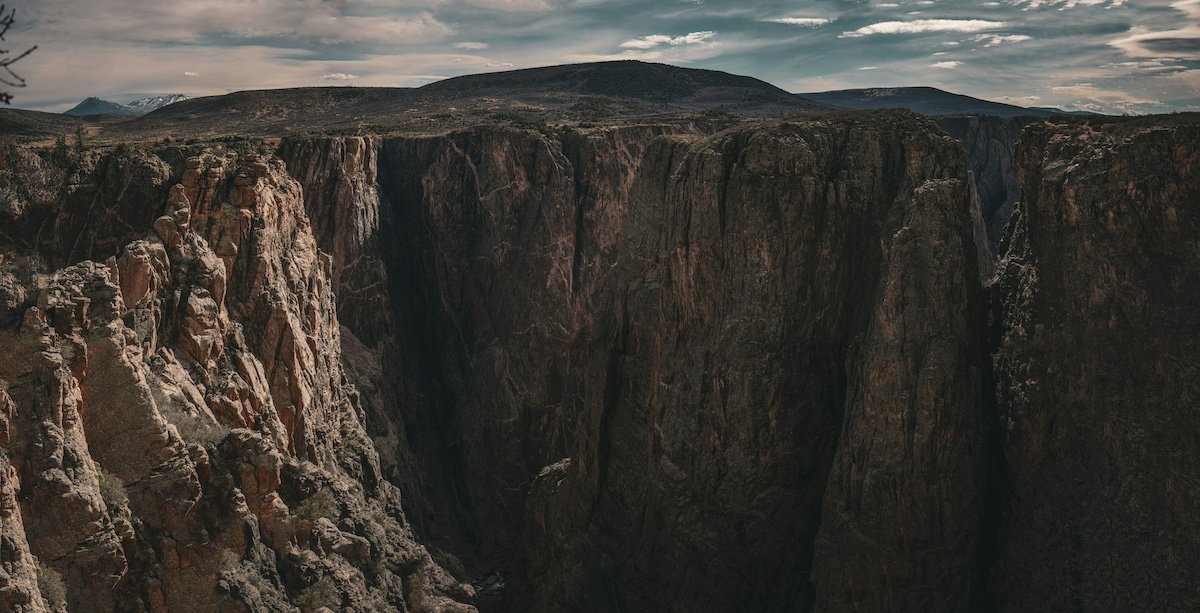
(176, 430)
(671, 340)
(990, 143)
(1097, 369)
(623, 368)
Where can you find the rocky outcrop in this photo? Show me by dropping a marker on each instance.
(19, 572)
(1097, 369)
(177, 431)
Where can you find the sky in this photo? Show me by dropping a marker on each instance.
(1115, 56)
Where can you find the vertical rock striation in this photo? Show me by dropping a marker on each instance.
(1097, 369)
(177, 432)
(769, 276)
(989, 143)
(622, 363)
(611, 369)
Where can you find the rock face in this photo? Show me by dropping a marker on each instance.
(176, 430)
(989, 143)
(644, 352)
(752, 403)
(615, 368)
(1097, 368)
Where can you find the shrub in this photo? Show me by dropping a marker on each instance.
(194, 428)
(323, 593)
(112, 490)
(320, 504)
(50, 584)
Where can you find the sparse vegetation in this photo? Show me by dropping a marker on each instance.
(80, 140)
(195, 428)
(595, 108)
(61, 154)
(532, 123)
(112, 490)
(323, 593)
(320, 504)
(29, 179)
(229, 561)
(50, 584)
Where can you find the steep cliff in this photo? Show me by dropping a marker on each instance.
(611, 368)
(671, 340)
(989, 143)
(1098, 365)
(176, 429)
(732, 436)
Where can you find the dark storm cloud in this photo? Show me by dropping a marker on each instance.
(1173, 46)
(1107, 55)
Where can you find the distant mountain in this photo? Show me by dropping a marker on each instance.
(604, 92)
(629, 79)
(153, 103)
(928, 101)
(97, 106)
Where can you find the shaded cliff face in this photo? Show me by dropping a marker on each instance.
(487, 245)
(989, 143)
(624, 362)
(752, 414)
(1097, 369)
(175, 428)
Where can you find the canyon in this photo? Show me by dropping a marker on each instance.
(744, 355)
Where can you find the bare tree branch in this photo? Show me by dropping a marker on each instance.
(7, 76)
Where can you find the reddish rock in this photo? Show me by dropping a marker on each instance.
(1097, 364)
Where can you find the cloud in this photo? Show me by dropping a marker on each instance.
(808, 22)
(1156, 65)
(1015, 48)
(1190, 7)
(1143, 42)
(1067, 4)
(921, 26)
(654, 40)
(948, 65)
(238, 20)
(338, 76)
(693, 47)
(993, 40)
(514, 6)
(1094, 96)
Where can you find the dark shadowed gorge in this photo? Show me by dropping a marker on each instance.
(742, 355)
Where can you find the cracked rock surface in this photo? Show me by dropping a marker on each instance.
(635, 367)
